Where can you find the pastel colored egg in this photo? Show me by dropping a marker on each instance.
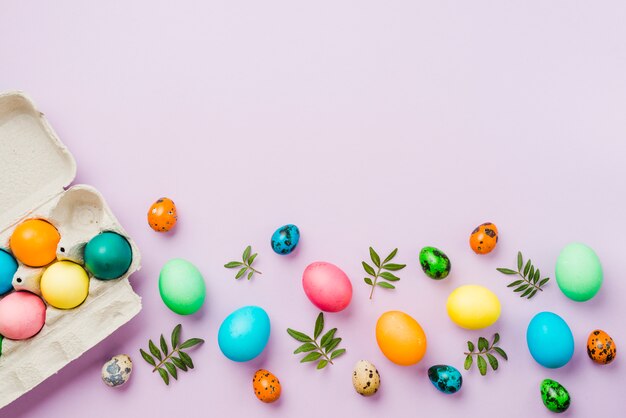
(244, 333)
(34, 242)
(266, 386)
(108, 256)
(550, 340)
(484, 238)
(22, 315)
(400, 338)
(64, 285)
(162, 215)
(473, 307)
(116, 371)
(578, 272)
(365, 378)
(182, 287)
(327, 286)
(8, 267)
(554, 396)
(285, 239)
(601, 347)
(435, 263)
(446, 379)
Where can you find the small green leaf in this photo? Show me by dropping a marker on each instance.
(164, 376)
(483, 344)
(493, 362)
(501, 352)
(179, 363)
(368, 281)
(191, 342)
(304, 348)
(468, 362)
(319, 325)
(322, 364)
(332, 344)
(532, 293)
(522, 287)
(250, 274)
(536, 276)
(375, 258)
(172, 369)
(482, 365)
(246, 253)
(311, 357)
(531, 273)
(394, 267)
(526, 268)
(386, 285)
(526, 292)
(520, 261)
(543, 281)
(496, 338)
(506, 271)
(470, 346)
(515, 283)
(186, 359)
(251, 259)
(369, 269)
(328, 337)
(233, 264)
(390, 256)
(147, 357)
(176, 335)
(337, 353)
(164, 348)
(241, 272)
(388, 276)
(154, 350)
(299, 335)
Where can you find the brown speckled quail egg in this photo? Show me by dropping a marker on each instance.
(365, 378)
(116, 371)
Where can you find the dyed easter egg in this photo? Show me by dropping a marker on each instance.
(578, 272)
(108, 256)
(64, 285)
(244, 333)
(435, 263)
(365, 378)
(162, 215)
(22, 315)
(34, 242)
(550, 340)
(8, 267)
(285, 239)
(601, 347)
(484, 238)
(116, 371)
(327, 286)
(446, 379)
(401, 338)
(182, 286)
(266, 386)
(473, 307)
(554, 396)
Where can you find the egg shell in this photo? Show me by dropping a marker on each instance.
(435, 263)
(327, 286)
(484, 238)
(162, 215)
(601, 347)
(554, 396)
(578, 272)
(64, 285)
(244, 333)
(266, 386)
(446, 379)
(285, 239)
(34, 242)
(550, 340)
(108, 255)
(8, 267)
(365, 378)
(22, 315)
(117, 371)
(182, 287)
(473, 307)
(400, 338)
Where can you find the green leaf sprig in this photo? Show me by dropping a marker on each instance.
(379, 273)
(529, 283)
(325, 351)
(244, 265)
(169, 361)
(487, 350)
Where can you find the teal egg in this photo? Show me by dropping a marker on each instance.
(550, 340)
(244, 333)
(578, 272)
(446, 379)
(182, 287)
(285, 239)
(435, 263)
(108, 256)
(8, 267)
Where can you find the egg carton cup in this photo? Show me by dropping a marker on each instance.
(35, 168)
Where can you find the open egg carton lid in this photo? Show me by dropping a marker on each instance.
(35, 168)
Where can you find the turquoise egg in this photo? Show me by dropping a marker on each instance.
(446, 379)
(244, 333)
(285, 239)
(550, 340)
(578, 272)
(108, 255)
(8, 267)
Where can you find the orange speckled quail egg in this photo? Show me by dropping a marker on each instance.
(266, 386)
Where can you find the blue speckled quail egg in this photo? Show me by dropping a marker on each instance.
(116, 371)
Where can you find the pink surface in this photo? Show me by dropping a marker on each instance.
(393, 124)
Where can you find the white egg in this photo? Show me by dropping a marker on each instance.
(116, 371)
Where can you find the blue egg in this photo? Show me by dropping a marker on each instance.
(8, 267)
(285, 239)
(550, 341)
(446, 379)
(244, 333)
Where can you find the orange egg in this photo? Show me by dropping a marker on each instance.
(266, 386)
(162, 215)
(34, 242)
(601, 347)
(484, 238)
(401, 338)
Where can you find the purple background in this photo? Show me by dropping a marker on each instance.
(397, 123)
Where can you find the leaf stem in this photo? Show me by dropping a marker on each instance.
(174, 350)
(529, 281)
(253, 269)
(321, 351)
(374, 283)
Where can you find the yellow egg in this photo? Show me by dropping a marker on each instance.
(473, 307)
(401, 338)
(64, 285)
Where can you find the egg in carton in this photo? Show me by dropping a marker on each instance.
(36, 167)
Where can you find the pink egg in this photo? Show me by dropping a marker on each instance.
(327, 286)
(22, 315)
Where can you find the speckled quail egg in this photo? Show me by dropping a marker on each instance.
(365, 378)
(116, 371)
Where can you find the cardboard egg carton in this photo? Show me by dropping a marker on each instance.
(35, 168)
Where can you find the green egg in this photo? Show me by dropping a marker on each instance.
(435, 263)
(554, 396)
(108, 256)
(578, 272)
(182, 286)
